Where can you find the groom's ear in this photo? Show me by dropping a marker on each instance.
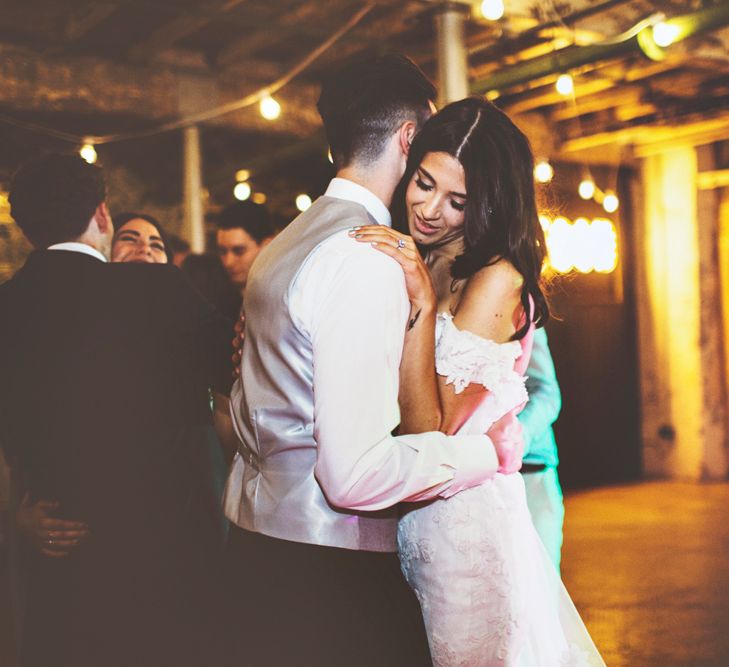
(406, 135)
(103, 218)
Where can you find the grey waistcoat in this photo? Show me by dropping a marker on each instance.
(274, 404)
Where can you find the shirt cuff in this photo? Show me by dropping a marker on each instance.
(476, 462)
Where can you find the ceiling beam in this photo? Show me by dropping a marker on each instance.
(178, 28)
(608, 99)
(548, 96)
(143, 95)
(649, 138)
(81, 24)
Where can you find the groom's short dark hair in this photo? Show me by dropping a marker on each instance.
(53, 197)
(365, 102)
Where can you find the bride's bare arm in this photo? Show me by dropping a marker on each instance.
(486, 309)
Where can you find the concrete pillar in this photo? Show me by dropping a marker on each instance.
(195, 93)
(450, 27)
(715, 413)
(192, 190)
(680, 337)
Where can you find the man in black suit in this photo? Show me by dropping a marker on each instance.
(104, 377)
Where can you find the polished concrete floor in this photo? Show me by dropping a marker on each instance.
(647, 566)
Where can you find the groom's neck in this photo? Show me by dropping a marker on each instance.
(376, 177)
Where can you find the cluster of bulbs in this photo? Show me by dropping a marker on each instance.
(582, 245)
(243, 190)
(544, 172)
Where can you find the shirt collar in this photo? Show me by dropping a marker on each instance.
(73, 246)
(342, 188)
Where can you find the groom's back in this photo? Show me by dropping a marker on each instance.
(275, 491)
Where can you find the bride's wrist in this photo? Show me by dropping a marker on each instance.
(425, 306)
(420, 312)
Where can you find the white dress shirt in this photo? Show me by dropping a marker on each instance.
(350, 301)
(73, 246)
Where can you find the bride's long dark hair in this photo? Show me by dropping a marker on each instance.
(501, 220)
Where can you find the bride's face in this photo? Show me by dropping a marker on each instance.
(436, 199)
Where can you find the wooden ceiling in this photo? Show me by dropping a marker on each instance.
(122, 65)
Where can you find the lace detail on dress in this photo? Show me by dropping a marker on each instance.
(465, 358)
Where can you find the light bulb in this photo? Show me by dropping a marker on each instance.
(606, 245)
(242, 175)
(88, 153)
(611, 202)
(586, 188)
(259, 198)
(665, 34)
(565, 85)
(303, 202)
(543, 171)
(492, 10)
(329, 156)
(270, 108)
(242, 191)
(582, 246)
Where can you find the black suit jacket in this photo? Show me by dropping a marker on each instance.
(104, 370)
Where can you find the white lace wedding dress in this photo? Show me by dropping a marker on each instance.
(488, 591)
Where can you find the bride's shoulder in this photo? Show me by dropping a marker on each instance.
(501, 276)
(489, 300)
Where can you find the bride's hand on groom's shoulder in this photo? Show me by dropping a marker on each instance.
(508, 439)
(403, 250)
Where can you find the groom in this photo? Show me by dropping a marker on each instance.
(313, 491)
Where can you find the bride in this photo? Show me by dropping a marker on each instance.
(472, 265)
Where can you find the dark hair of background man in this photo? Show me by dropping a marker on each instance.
(249, 216)
(365, 102)
(53, 197)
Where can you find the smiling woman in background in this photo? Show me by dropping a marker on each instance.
(138, 238)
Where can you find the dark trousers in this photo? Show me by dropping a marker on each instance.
(163, 612)
(305, 605)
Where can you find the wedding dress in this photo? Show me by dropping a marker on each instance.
(488, 591)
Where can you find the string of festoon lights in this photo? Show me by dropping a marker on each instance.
(268, 106)
(243, 189)
(587, 188)
(663, 34)
(585, 245)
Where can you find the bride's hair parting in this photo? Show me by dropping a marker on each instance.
(501, 219)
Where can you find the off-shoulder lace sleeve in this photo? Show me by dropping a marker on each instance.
(463, 358)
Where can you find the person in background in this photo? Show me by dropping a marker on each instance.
(539, 470)
(178, 248)
(244, 229)
(209, 277)
(139, 238)
(104, 372)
